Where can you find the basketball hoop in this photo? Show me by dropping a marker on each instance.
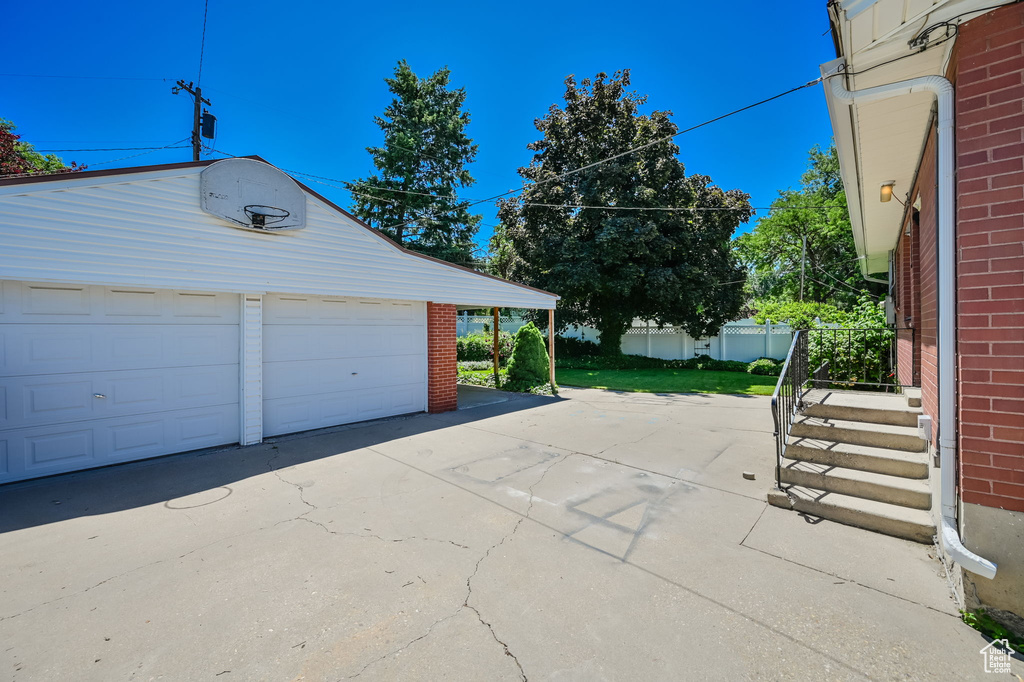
(261, 216)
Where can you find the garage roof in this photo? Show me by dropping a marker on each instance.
(144, 226)
(883, 141)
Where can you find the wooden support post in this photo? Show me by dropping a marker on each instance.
(551, 345)
(495, 331)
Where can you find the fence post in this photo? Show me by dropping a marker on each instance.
(497, 341)
(721, 344)
(648, 338)
(767, 338)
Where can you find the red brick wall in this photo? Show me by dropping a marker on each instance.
(906, 298)
(926, 261)
(442, 366)
(990, 249)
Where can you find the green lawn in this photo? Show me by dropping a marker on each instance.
(668, 381)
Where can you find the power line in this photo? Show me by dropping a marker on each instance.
(91, 78)
(100, 163)
(629, 151)
(202, 44)
(680, 208)
(107, 149)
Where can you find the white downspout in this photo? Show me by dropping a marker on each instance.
(943, 91)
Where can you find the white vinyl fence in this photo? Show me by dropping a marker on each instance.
(742, 340)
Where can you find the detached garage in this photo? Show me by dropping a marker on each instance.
(161, 309)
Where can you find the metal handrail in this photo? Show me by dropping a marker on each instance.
(788, 396)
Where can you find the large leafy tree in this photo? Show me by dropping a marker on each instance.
(624, 255)
(419, 168)
(816, 212)
(17, 157)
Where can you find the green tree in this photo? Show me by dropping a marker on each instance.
(17, 157)
(610, 264)
(420, 166)
(816, 212)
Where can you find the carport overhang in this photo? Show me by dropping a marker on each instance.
(883, 141)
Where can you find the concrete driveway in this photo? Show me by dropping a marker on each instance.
(592, 536)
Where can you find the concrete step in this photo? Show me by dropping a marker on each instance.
(861, 457)
(861, 406)
(903, 492)
(859, 433)
(901, 522)
(913, 396)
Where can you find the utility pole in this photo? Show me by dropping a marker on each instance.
(803, 259)
(198, 101)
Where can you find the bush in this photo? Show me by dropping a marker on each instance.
(476, 365)
(528, 366)
(765, 367)
(797, 314)
(568, 347)
(477, 347)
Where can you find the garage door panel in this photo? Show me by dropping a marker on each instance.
(47, 449)
(78, 304)
(314, 310)
(53, 349)
(302, 413)
(283, 343)
(317, 377)
(70, 398)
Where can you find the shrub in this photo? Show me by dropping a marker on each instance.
(765, 367)
(477, 347)
(476, 365)
(529, 363)
(797, 314)
(568, 347)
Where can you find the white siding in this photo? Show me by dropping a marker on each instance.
(142, 230)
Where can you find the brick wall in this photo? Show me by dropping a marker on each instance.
(926, 262)
(442, 366)
(990, 263)
(906, 298)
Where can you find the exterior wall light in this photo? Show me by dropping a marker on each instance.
(886, 191)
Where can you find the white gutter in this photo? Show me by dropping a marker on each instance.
(943, 91)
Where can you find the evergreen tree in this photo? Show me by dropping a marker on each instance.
(419, 168)
(613, 263)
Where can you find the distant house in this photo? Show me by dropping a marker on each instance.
(153, 310)
(927, 104)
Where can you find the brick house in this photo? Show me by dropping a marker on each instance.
(951, 153)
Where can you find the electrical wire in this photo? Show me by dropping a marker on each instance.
(202, 44)
(682, 208)
(92, 78)
(100, 163)
(625, 153)
(108, 149)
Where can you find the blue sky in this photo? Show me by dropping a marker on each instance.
(299, 83)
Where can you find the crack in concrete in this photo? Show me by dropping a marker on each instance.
(133, 570)
(469, 588)
(313, 508)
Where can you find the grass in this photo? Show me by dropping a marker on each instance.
(668, 381)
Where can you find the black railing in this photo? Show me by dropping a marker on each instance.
(831, 358)
(787, 399)
(864, 359)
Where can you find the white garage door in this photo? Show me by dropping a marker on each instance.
(94, 375)
(330, 361)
